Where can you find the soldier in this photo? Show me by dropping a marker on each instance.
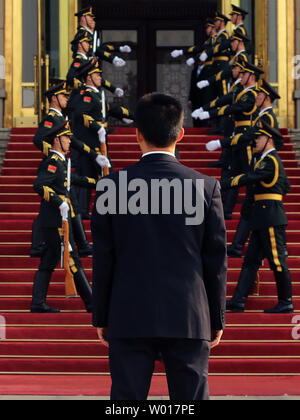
(90, 122)
(266, 96)
(51, 185)
(238, 16)
(243, 111)
(80, 46)
(105, 52)
(268, 185)
(200, 72)
(58, 100)
(194, 50)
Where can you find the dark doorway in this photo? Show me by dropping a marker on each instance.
(153, 29)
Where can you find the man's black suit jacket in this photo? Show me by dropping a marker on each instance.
(154, 276)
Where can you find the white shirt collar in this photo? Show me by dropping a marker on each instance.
(222, 30)
(93, 88)
(88, 29)
(82, 55)
(240, 24)
(248, 88)
(59, 154)
(240, 52)
(57, 111)
(264, 110)
(266, 153)
(156, 153)
(238, 81)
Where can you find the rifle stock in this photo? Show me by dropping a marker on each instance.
(70, 288)
(104, 153)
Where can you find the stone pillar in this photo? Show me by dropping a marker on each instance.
(2, 91)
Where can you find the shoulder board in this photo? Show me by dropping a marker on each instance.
(56, 157)
(89, 90)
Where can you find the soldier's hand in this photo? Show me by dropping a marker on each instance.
(102, 135)
(204, 116)
(64, 211)
(176, 53)
(125, 49)
(119, 62)
(127, 121)
(203, 57)
(203, 84)
(213, 145)
(190, 62)
(103, 162)
(119, 92)
(196, 114)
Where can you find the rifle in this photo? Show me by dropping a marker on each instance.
(95, 43)
(103, 143)
(70, 288)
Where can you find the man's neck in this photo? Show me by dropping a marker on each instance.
(59, 152)
(93, 88)
(88, 29)
(146, 150)
(240, 49)
(268, 150)
(83, 53)
(266, 106)
(56, 108)
(249, 86)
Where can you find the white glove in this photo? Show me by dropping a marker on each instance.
(125, 49)
(103, 162)
(64, 210)
(190, 62)
(119, 62)
(203, 84)
(196, 114)
(213, 145)
(102, 135)
(119, 92)
(203, 57)
(176, 53)
(204, 116)
(127, 121)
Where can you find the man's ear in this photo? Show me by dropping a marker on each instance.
(181, 135)
(140, 136)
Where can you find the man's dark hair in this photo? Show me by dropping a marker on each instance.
(159, 118)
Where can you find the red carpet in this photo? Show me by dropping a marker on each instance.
(60, 354)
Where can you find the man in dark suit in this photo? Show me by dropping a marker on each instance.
(159, 277)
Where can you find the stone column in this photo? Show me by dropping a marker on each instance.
(2, 91)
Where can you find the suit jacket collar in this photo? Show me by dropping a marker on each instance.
(158, 157)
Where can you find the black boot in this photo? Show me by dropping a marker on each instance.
(83, 288)
(40, 290)
(84, 248)
(245, 284)
(284, 291)
(242, 234)
(38, 246)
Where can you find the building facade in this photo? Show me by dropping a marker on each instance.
(35, 38)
